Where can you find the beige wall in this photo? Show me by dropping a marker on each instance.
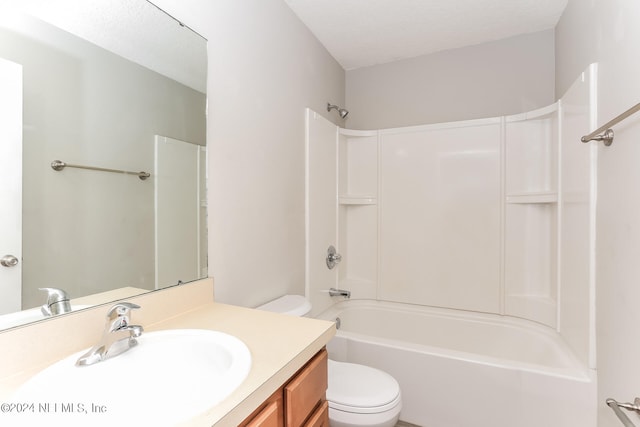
(492, 79)
(607, 31)
(265, 67)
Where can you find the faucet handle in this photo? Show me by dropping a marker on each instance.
(333, 257)
(57, 302)
(121, 309)
(118, 316)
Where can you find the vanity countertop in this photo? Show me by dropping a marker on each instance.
(279, 344)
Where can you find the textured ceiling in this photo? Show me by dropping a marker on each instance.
(136, 30)
(360, 33)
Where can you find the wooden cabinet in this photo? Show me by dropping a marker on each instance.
(270, 415)
(320, 417)
(306, 391)
(300, 402)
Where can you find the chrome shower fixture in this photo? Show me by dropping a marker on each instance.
(343, 113)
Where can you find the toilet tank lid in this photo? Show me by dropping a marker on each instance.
(293, 305)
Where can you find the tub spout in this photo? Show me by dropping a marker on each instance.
(339, 293)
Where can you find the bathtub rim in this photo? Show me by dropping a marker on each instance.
(576, 371)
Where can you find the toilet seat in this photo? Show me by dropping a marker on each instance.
(293, 305)
(361, 389)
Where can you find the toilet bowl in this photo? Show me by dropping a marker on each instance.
(358, 395)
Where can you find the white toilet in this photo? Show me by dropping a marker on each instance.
(358, 395)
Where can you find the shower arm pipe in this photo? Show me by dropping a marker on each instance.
(342, 112)
(615, 405)
(58, 165)
(607, 136)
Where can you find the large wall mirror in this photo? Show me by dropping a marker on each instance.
(97, 85)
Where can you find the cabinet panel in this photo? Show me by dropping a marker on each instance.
(268, 417)
(300, 402)
(306, 390)
(320, 417)
(269, 414)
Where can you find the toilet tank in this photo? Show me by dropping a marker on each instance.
(293, 305)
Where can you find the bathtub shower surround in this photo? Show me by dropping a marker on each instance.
(440, 215)
(490, 216)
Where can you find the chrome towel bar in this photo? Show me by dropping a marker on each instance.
(635, 407)
(607, 136)
(58, 165)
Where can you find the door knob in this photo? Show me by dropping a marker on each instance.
(333, 257)
(9, 261)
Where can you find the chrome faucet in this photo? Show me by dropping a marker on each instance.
(339, 293)
(118, 336)
(57, 302)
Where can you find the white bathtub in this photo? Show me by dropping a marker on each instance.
(463, 369)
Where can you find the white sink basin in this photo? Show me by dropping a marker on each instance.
(169, 377)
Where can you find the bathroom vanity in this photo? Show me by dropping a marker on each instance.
(286, 383)
(300, 402)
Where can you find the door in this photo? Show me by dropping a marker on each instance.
(11, 192)
(180, 211)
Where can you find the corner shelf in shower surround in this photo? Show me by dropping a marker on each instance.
(528, 198)
(357, 200)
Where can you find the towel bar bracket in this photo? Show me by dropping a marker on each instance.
(606, 137)
(615, 405)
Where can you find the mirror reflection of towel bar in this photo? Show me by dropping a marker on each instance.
(635, 407)
(58, 165)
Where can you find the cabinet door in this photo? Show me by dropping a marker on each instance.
(269, 414)
(268, 417)
(307, 389)
(320, 417)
